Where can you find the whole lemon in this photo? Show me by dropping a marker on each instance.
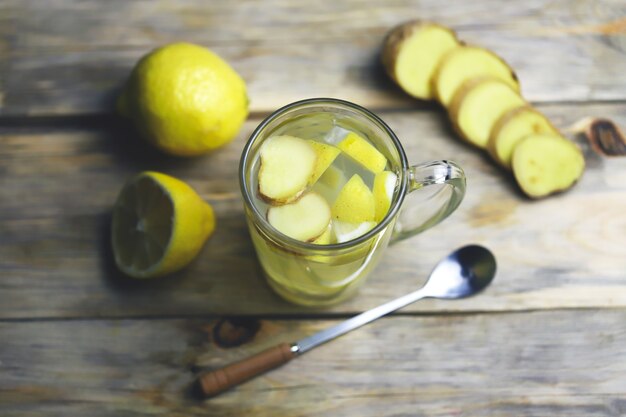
(185, 99)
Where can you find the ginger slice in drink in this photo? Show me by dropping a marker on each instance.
(287, 164)
(326, 237)
(306, 219)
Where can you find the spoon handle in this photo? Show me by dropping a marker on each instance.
(344, 327)
(218, 381)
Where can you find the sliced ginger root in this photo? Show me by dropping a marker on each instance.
(511, 128)
(306, 220)
(464, 63)
(411, 53)
(326, 237)
(545, 164)
(482, 95)
(355, 202)
(287, 164)
(478, 104)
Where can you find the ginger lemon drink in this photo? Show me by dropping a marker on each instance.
(322, 180)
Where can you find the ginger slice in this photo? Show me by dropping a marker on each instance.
(355, 202)
(512, 127)
(287, 163)
(363, 152)
(467, 62)
(326, 237)
(345, 232)
(411, 53)
(478, 104)
(384, 186)
(326, 154)
(544, 164)
(307, 219)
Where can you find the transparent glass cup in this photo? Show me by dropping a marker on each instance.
(319, 275)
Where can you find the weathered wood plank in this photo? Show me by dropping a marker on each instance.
(57, 187)
(69, 56)
(533, 364)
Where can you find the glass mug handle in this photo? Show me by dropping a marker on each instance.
(445, 180)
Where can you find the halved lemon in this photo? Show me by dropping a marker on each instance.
(159, 225)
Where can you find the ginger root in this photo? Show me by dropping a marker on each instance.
(307, 219)
(478, 104)
(411, 54)
(287, 165)
(464, 63)
(545, 164)
(512, 127)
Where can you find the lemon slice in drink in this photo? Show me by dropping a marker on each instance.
(159, 225)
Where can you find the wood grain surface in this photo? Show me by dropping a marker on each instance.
(531, 364)
(77, 338)
(71, 57)
(59, 185)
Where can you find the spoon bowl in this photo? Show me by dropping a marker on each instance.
(463, 273)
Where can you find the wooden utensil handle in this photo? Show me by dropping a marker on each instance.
(215, 382)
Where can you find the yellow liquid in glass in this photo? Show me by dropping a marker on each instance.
(320, 278)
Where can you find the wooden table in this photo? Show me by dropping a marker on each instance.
(79, 339)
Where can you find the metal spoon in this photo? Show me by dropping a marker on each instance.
(463, 273)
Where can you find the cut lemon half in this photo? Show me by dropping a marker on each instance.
(159, 225)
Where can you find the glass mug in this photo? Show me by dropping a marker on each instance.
(319, 275)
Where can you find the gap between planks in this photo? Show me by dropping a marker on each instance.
(303, 316)
(95, 120)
